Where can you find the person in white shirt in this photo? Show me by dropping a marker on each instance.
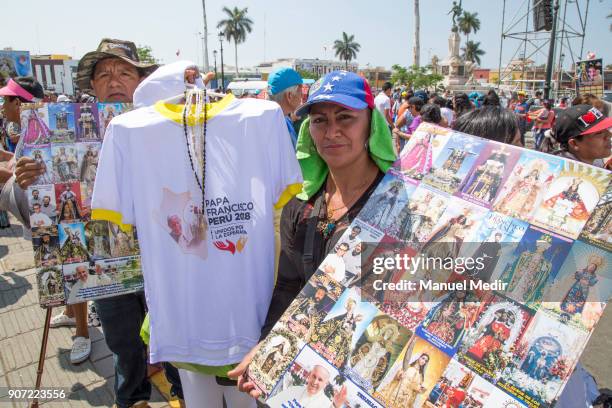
(383, 102)
(312, 395)
(334, 263)
(39, 219)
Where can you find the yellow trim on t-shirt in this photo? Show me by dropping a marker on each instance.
(112, 216)
(175, 112)
(290, 191)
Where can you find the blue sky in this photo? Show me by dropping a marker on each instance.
(283, 28)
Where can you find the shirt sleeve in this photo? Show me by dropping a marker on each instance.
(284, 165)
(112, 196)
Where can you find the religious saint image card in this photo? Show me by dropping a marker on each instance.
(426, 205)
(524, 189)
(49, 280)
(62, 122)
(383, 210)
(86, 195)
(98, 239)
(461, 387)
(598, 229)
(488, 345)
(107, 111)
(88, 154)
(42, 156)
(68, 202)
(491, 168)
(409, 314)
(118, 276)
(123, 243)
(336, 335)
(42, 205)
(65, 163)
(415, 372)
(87, 118)
(45, 241)
(35, 125)
(542, 361)
(423, 148)
(375, 351)
(536, 260)
(72, 242)
(78, 279)
(273, 357)
(571, 198)
(579, 292)
(454, 162)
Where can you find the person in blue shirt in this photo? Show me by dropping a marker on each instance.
(521, 109)
(285, 88)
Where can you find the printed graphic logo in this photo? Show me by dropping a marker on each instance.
(229, 221)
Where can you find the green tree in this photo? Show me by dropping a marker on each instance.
(472, 52)
(415, 77)
(399, 75)
(235, 27)
(347, 48)
(145, 54)
(468, 23)
(307, 74)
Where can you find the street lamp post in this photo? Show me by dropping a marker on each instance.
(221, 34)
(215, 59)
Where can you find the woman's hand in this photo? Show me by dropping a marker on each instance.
(27, 171)
(240, 374)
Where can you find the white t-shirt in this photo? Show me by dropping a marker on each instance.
(382, 102)
(208, 291)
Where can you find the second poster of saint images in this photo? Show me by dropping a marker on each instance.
(541, 222)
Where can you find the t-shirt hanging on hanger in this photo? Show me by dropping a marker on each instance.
(208, 290)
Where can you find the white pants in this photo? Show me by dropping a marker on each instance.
(202, 391)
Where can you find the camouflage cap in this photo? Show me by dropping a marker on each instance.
(109, 48)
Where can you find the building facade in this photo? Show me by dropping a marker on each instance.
(56, 73)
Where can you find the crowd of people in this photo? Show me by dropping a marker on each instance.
(346, 140)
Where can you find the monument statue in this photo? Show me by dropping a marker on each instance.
(456, 11)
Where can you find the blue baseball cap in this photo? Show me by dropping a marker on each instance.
(341, 87)
(282, 79)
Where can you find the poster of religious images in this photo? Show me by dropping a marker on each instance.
(488, 345)
(35, 124)
(123, 243)
(461, 387)
(385, 207)
(598, 229)
(73, 247)
(88, 155)
(422, 150)
(536, 260)
(45, 241)
(98, 240)
(522, 192)
(571, 198)
(311, 306)
(335, 336)
(50, 286)
(542, 361)
(42, 156)
(87, 122)
(42, 206)
(376, 351)
(275, 354)
(590, 77)
(457, 225)
(310, 381)
(447, 321)
(107, 111)
(456, 159)
(579, 292)
(65, 163)
(426, 206)
(62, 122)
(352, 250)
(491, 168)
(68, 202)
(415, 372)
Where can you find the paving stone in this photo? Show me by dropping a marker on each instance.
(105, 367)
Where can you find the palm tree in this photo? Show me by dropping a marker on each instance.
(235, 27)
(347, 48)
(472, 52)
(417, 40)
(468, 23)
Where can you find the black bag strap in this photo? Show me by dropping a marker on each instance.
(312, 239)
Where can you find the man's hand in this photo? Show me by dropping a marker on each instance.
(27, 171)
(340, 397)
(240, 373)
